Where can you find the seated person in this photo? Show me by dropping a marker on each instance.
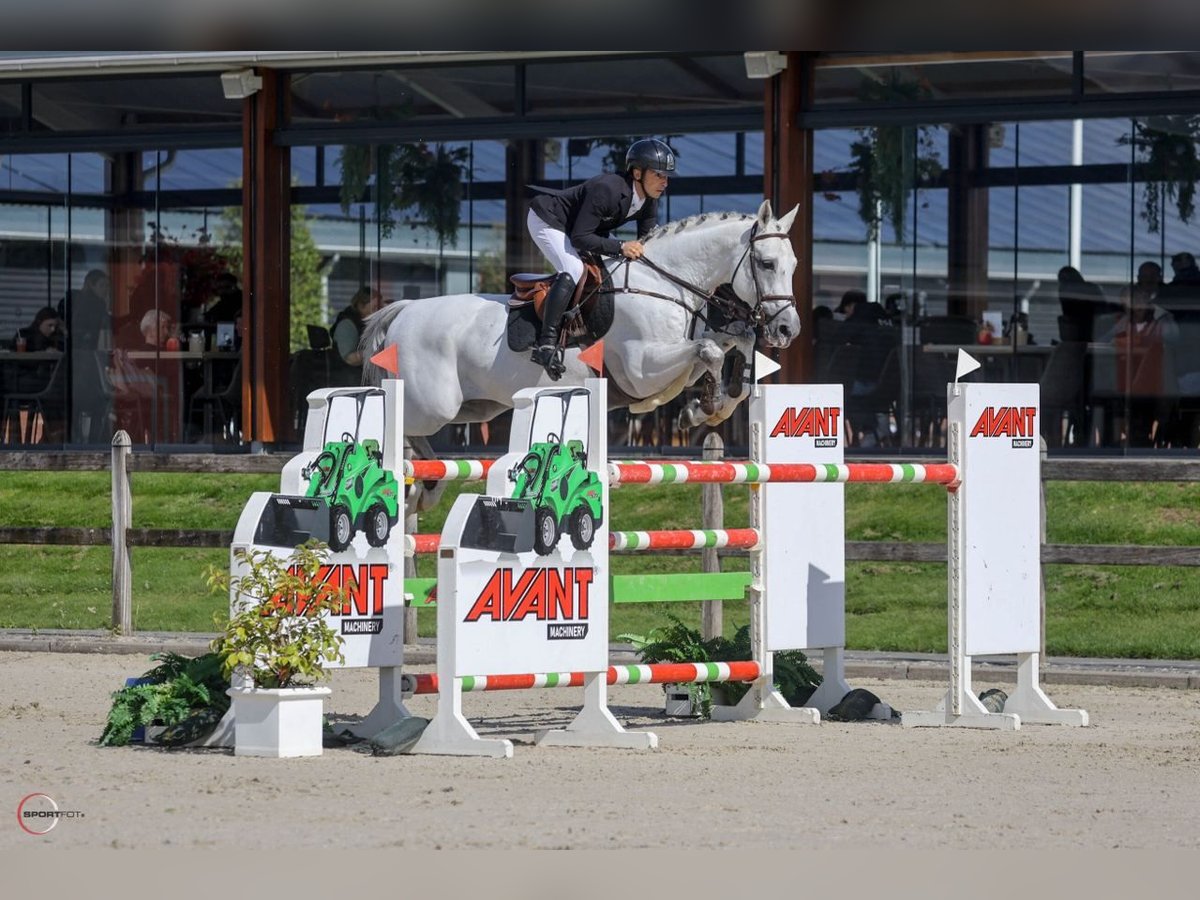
(227, 304)
(347, 330)
(1144, 336)
(45, 332)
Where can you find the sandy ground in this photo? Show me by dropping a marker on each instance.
(1130, 780)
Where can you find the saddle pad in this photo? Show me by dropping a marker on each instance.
(524, 324)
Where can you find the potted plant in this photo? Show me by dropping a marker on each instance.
(276, 646)
(1166, 148)
(889, 161)
(677, 642)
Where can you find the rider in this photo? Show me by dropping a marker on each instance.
(562, 223)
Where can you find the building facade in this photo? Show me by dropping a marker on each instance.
(179, 232)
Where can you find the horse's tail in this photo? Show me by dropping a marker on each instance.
(373, 336)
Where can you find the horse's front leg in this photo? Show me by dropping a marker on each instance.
(676, 365)
(734, 387)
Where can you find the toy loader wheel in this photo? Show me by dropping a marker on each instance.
(583, 528)
(545, 532)
(341, 529)
(378, 526)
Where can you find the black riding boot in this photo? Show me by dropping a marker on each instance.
(546, 354)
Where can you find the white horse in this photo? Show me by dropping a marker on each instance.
(457, 367)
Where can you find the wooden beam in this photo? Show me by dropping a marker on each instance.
(266, 228)
(788, 181)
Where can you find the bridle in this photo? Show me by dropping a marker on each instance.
(759, 314)
(730, 309)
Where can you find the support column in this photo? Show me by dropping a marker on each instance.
(266, 226)
(787, 181)
(968, 221)
(525, 165)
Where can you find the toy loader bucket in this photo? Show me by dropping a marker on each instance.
(498, 524)
(290, 521)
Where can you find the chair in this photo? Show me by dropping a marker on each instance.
(871, 412)
(227, 401)
(1071, 330)
(36, 403)
(1062, 391)
(318, 337)
(957, 330)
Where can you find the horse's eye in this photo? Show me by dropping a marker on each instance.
(768, 264)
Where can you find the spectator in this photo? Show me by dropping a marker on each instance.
(89, 337)
(1143, 338)
(1150, 278)
(227, 304)
(1082, 302)
(347, 331)
(1182, 294)
(45, 332)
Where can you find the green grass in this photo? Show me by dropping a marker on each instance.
(1109, 611)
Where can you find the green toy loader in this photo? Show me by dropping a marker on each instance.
(359, 493)
(554, 492)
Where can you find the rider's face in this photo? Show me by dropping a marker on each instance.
(653, 183)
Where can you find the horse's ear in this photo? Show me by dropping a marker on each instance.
(785, 224)
(764, 214)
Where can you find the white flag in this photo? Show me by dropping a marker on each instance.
(764, 366)
(966, 364)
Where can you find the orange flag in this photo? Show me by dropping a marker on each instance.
(594, 357)
(388, 358)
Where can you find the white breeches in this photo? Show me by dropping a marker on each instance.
(555, 247)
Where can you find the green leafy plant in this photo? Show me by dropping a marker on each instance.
(889, 161)
(179, 689)
(427, 179)
(677, 642)
(279, 635)
(1167, 150)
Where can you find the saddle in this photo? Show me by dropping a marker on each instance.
(588, 317)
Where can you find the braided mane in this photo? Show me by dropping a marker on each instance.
(692, 222)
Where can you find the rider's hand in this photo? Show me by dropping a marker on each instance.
(632, 249)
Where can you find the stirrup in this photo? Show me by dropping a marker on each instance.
(550, 358)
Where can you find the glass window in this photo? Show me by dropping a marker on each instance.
(619, 87)
(401, 95)
(10, 108)
(109, 104)
(878, 80)
(1121, 71)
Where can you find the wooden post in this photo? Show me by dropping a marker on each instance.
(410, 562)
(1042, 542)
(712, 515)
(122, 514)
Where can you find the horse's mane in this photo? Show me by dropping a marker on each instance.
(694, 221)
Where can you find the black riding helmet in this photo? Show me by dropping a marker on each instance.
(651, 154)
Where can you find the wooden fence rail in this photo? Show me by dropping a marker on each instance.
(122, 536)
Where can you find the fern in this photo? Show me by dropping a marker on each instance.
(176, 689)
(677, 642)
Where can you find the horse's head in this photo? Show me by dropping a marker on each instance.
(763, 276)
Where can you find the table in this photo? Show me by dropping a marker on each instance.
(12, 362)
(1002, 358)
(175, 426)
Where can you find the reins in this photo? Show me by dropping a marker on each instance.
(731, 310)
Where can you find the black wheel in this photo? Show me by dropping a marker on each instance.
(378, 526)
(545, 532)
(583, 528)
(341, 529)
